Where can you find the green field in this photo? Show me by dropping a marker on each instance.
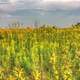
(40, 54)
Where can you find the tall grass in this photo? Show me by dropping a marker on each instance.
(39, 54)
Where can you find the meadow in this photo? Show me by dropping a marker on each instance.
(44, 53)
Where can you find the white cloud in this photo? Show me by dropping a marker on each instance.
(12, 1)
(59, 0)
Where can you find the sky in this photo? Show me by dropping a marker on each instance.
(59, 12)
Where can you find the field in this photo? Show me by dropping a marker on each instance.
(40, 54)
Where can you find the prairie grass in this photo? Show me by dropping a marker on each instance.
(39, 54)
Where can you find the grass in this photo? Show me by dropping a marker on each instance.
(40, 54)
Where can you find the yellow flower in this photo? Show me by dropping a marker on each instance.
(19, 72)
(53, 58)
(37, 75)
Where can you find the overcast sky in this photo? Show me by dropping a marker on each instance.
(58, 12)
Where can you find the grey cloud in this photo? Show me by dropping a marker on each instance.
(20, 9)
(5, 5)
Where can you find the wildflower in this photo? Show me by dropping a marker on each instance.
(53, 58)
(37, 75)
(19, 73)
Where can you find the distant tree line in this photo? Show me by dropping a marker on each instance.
(76, 25)
(15, 24)
(36, 25)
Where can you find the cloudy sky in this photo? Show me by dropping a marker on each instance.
(58, 12)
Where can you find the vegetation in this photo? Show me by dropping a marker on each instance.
(44, 53)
